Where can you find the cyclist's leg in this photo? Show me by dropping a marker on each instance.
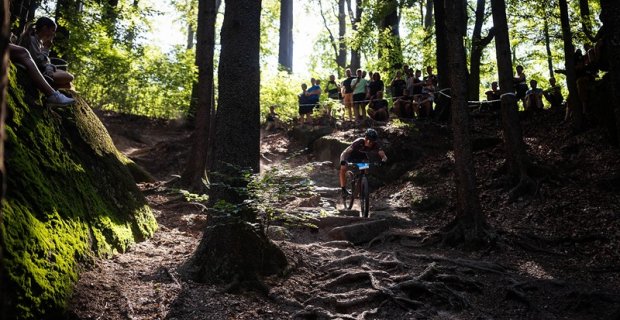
(342, 174)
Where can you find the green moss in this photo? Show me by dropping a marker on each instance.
(70, 197)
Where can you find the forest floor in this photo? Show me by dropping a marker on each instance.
(556, 256)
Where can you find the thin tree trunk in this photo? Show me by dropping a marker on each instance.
(586, 22)
(516, 156)
(197, 162)
(332, 40)
(236, 144)
(190, 37)
(390, 45)
(548, 47)
(574, 102)
(428, 18)
(4, 64)
(342, 32)
(610, 15)
(356, 19)
(285, 55)
(477, 47)
(443, 68)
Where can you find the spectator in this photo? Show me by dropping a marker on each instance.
(38, 39)
(333, 88)
(21, 56)
(423, 103)
(533, 97)
(314, 92)
(273, 121)
(520, 82)
(378, 108)
(554, 94)
(494, 95)
(403, 105)
(430, 75)
(398, 85)
(347, 93)
(359, 95)
(374, 86)
(416, 87)
(305, 106)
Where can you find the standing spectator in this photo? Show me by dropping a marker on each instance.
(359, 95)
(520, 82)
(332, 88)
(398, 85)
(417, 84)
(305, 107)
(533, 97)
(38, 39)
(378, 108)
(314, 92)
(347, 93)
(554, 94)
(374, 86)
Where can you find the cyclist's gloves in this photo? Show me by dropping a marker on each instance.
(384, 159)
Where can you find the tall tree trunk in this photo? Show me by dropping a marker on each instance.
(233, 251)
(516, 156)
(478, 44)
(574, 101)
(470, 224)
(285, 55)
(356, 19)
(586, 22)
(197, 162)
(548, 47)
(236, 144)
(342, 32)
(428, 18)
(443, 68)
(389, 47)
(4, 64)
(610, 14)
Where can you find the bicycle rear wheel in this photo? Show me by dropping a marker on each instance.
(364, 197)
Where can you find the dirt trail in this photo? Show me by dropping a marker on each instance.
(391, 277)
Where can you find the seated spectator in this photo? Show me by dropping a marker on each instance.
(423, 103)
(554, 94)
(431, 75)
(402, 106)
(21, 56)
(398, 85)
(272, 120)
(305, 106)
(494, 95)
(533, 97)
(416, 83)
(378, 108)
(333, 88)
(38, 39)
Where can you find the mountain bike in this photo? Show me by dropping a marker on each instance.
(358, 186)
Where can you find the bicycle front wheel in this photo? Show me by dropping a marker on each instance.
(348, 200)
(364, 197)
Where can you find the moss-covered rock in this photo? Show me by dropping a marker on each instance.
(70, 197)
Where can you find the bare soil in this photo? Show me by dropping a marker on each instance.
(557, 254)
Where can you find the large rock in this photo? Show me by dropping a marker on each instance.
(70, 197)
(306, 135)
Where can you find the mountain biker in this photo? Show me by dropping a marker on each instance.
(358, 152)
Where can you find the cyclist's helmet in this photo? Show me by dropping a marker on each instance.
(371, 134)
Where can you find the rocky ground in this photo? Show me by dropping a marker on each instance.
(556, 254)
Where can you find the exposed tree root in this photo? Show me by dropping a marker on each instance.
(472, 264)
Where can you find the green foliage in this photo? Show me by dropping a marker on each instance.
(280, 89)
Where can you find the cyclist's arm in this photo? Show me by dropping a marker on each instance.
(346, 154)
(382, 155)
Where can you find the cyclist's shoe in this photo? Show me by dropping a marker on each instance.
(345, 192)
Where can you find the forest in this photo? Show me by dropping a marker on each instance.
(324, 159)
